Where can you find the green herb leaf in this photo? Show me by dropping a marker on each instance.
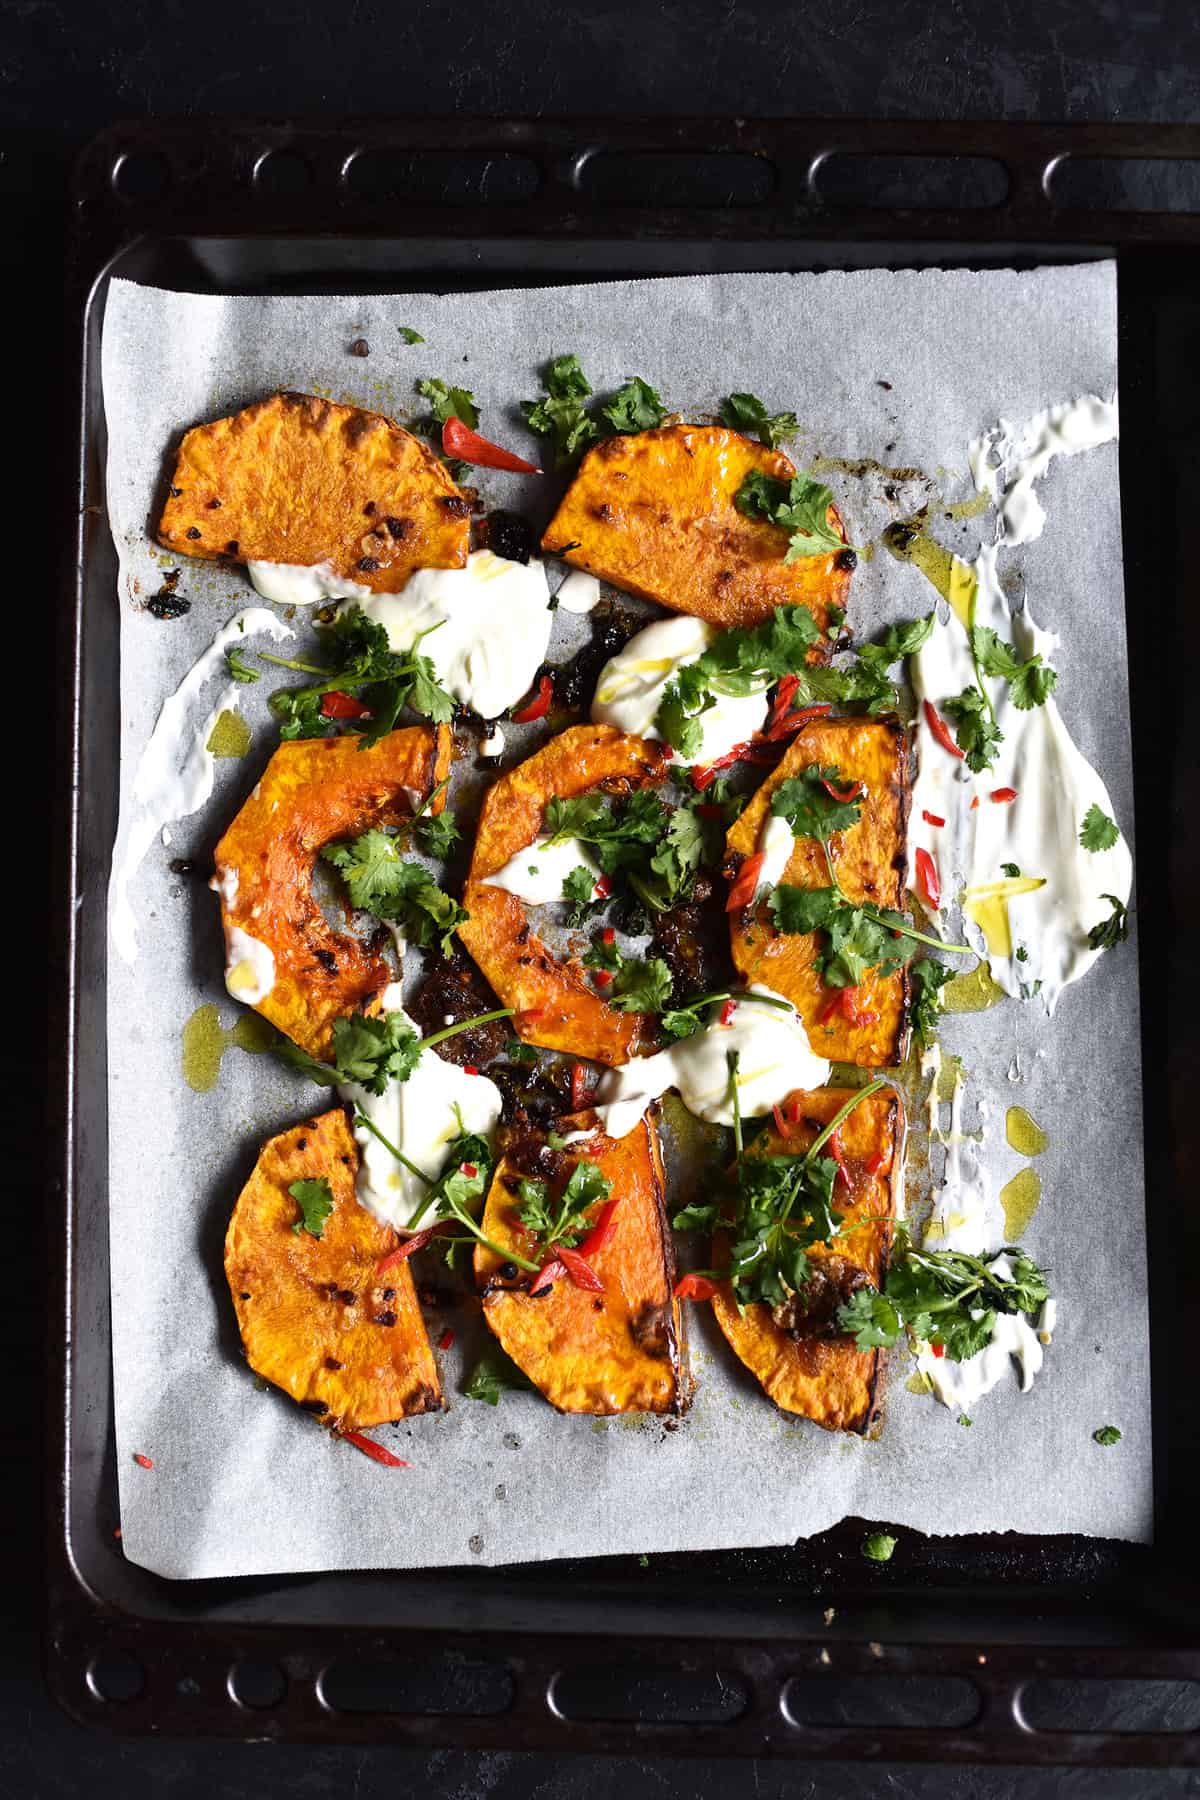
(437, 833)
(409, 335)
(1030, 682)
(380, 881)
(976, 732)
(449, 402)
(362, 661)
(926, 980)
(561, 415)
(239, 668)
(1106, 1435)
(942, 1296)
(495, 1374)
(746, 412)
(1098, 831)
(1111, 931)
(740, 661)
(635, 407)
(809, 809)
(799, 506)
(879, 1547)
(315, 1200)
(560, 1219)
(641, 986)
(1011, 870)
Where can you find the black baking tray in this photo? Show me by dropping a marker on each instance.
(959, 1648)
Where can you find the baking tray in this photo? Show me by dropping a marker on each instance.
(992, 1649)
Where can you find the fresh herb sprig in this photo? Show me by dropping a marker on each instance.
(315, 1200)
(740, 661)
(371, 1052)
(638, 984)
(381, 882)
(360, 661)
(746, 413)
(1098, 832)
(1111, 931)
(561, 1218)
(654, 849)
(563, 415)
(799, 506)
(943, 1297)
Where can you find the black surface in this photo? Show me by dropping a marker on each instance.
(79, 71)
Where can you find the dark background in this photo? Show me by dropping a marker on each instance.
(67, 71)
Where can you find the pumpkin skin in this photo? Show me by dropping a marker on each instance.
(363, 1360)
(554, 1005)
(653, 513)
(827, 1379)
(870, 861)
(295, 479)
(625, 1353)
(312, 792)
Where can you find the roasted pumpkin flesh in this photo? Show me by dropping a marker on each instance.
(824, 1377)
(312, 792)
(616, 1352)
(316, 1318)
(653, 512)
(295, 479)
(869, 858)
(555, 1005)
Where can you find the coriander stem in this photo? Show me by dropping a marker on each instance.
(285, 662)
(842, 1114)
(911, 932)
(360, 1118)
(731, 1059)
(974, 659)
(449, 1031)
(833, 880)
(522, 1262)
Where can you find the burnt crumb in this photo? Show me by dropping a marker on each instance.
(384, 1318)
(507, 534)
(347, 1295)
(399, 528)
(166, 605)
(243, 1296)
(332, 1364)
(890, 447)
(175, 492)
(389, 1293)
(523, 1144)
(886, 385)
(507, 1272)
(360, 347)
(649, 1330)
(454, 991)
(603, 512)
(813, 1313)
(512, 1442)
(846, 559)
(597, 1304)
(368, 564)
(369, 508)
(612, 628)
(302, 1143)
(232, 547)
(455, 505)
(214, 505)
(314, 1406)
(193, 531)
(327, 960)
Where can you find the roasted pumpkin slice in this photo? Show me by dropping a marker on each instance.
(804, 1363)
(870, 860)
(294, 479)
(315, 1317)
(653, 512)
(554, 1004)
(615, 1352)
(282, 955)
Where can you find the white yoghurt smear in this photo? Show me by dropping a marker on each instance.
(249, 965)
(176, 770)
(492, 622)
(774, 1058)
(1015, 1344)
(579, 593)
(419, 1117)
(493, 743)
(536, 874)
(630, 688)
(1007, 459)
(296, 584)
(776, 840)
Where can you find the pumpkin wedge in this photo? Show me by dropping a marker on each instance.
(295, 479)
(554, 1004)
(282, 955)
(653, 512)
(870, 862)
(315, 1317)
(804, 1364)
(615, 1352)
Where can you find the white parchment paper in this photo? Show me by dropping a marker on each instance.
(904, 368)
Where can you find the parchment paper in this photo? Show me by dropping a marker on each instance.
(902, 367)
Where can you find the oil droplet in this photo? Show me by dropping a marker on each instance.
(1024, 1133)
(969, 509)
(919, 1383)
(230, 735)
(953, 578)
(972, 993)
(950, 1077)
(1020, 1199)
(205, 1042)
(849, 1075)
(1014, 1067)
(987, 907)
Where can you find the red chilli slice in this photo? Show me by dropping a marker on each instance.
(940, 730)
(411, 1245)
(927, 879)
(580, 1270)
(694, 1287)
(375, 1451)
(602, 1231)
(1002, 796)
(549, 1272)
(742, 891)
(460, 441)
(932, 819)
(446, 1339)
(143, 1462)
(336, 705)
(539, 706)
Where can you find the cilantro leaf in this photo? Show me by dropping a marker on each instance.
(992, 655)
(437, 833)
(936, 1295)
(409, 335)
(797, 909)
(926, 978)
(315, 1200)
(494, 1374)
(1030, 682)
(560, 1219)
(561, 415)
(641, 986)
(699, 1215)
(746, 412)
(361, 660)
(1106, 1435)
(879, 1547)
(897, 642)
(239, 668)
(976, 732)
(449, 402)
(635, 407)
(811, 811)
(579, 888)
(370, 865)
(1111, 931)
(1098, 831)
(380, 881)
(299, 713)
(800, 506)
